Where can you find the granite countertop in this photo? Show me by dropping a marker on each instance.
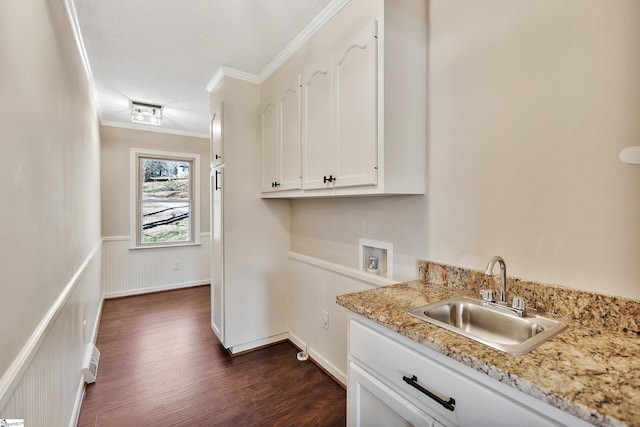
(592, 372)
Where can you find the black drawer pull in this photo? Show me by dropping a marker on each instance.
(450, 405)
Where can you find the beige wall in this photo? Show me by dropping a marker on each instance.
(530, 104)
(50, 216)
(115, 152)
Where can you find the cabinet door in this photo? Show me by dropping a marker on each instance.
(270, 148)
(475, 403)
(371, 403)
(289, 103)
(317, 145)
(217, 254)
(216, 135)
(356, 108)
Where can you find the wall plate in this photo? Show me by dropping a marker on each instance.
(383, 254)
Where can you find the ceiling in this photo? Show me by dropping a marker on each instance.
(167, 51)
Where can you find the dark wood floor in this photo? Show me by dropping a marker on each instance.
(161, 365)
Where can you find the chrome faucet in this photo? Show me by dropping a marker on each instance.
(502, 299)
(518, 307)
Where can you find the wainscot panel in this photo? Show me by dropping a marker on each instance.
(44, 385)
(127, 271)
(315, 284)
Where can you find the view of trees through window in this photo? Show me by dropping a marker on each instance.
(166, 201)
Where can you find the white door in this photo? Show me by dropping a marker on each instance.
(373, 404)
(356, 108)
(317, 139)
(217, 251)
(270, 148)
(290, 176)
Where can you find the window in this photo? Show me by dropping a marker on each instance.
(164, 193)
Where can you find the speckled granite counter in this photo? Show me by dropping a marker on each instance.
(591, 370)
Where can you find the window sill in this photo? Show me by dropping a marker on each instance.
(166, 245)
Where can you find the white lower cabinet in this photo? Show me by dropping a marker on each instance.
(392, 382)
(375, 404)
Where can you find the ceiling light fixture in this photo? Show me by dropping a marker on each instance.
(146, 113)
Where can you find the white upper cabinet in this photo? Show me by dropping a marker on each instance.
(355, 82)
(317, 129)
(339, 144)
(363, 105)
(281, 139)
(270, 147)
(216, 134)
(290, 137)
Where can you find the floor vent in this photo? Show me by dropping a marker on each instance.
(90, 370)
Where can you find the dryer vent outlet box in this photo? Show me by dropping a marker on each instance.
(90, 370)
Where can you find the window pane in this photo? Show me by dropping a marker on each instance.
(165, 179)
(165, 222)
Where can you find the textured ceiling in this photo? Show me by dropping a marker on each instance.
(166, 51)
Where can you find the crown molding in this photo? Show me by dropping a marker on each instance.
(156, 129)
(323, 17)
(215, 80)
(231, 72)
(70, 8)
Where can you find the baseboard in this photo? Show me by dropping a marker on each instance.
(81, 388)
(236, 349)
(297, 341)
(140, 291)
(330, 369)
(217, 331)
(337, 375)
(75, 415)
(96, 324)
(315, 357)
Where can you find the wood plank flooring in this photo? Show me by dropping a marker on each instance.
(161, 365)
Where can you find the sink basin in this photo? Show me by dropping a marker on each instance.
(496, 328)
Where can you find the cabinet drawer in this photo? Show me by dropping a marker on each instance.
(475, 403)
(375, 404)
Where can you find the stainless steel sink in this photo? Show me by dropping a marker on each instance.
(488, 325)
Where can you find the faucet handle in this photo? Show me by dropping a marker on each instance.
(488, 295)
(518, 303)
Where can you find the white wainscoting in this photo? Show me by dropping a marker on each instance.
(44, 384)
(128, 271)
(315, 284)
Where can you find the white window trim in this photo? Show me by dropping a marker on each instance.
(133, 196)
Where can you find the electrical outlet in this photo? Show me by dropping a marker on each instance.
(176, 265)
(324, 318)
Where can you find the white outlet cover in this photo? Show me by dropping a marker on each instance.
(324, 319)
